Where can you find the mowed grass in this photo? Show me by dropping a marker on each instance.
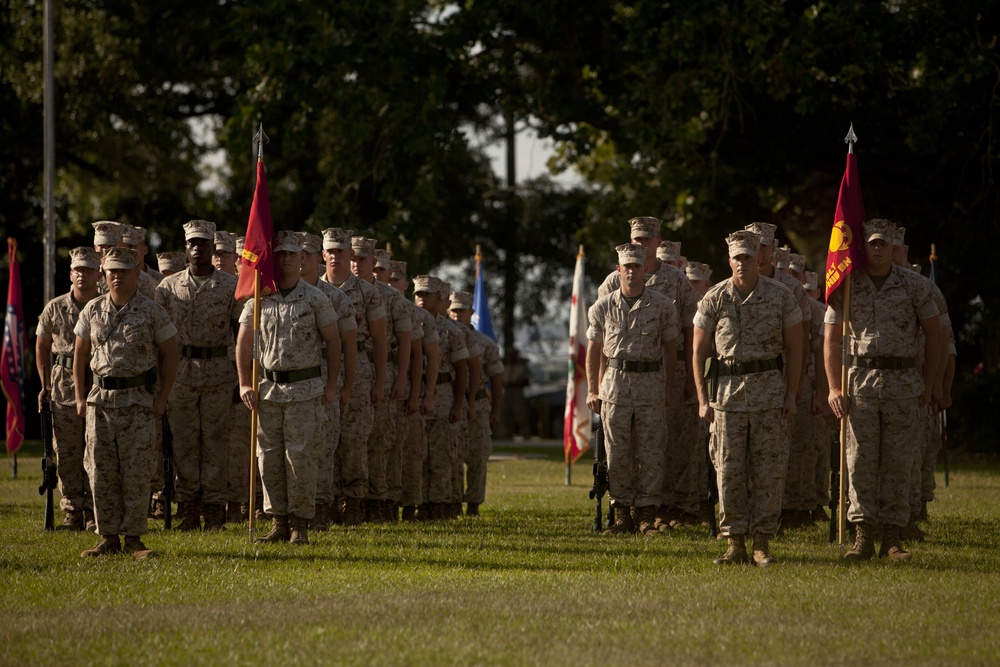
(527, 583)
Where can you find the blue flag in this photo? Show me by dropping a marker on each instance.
(481, 320)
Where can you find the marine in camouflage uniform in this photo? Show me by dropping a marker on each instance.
(201, 303)
(55, 337)
(636, 330)
(134, 237)
(120, 336)
(329, 435)
(683, 476)
(383, 440)
(485, 399)
(750, 319)
(357, 416)
(885, 390)
(447, 384)
(298, 335)
(823, 433)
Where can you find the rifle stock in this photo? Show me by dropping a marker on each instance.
(834, 487)
(600, 480)
(713, 489)
(50, 478)
(168, 473)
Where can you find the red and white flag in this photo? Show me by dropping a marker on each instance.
(257, 254)
(576, 425)
(12, 360)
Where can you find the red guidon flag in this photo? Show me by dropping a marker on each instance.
(576, 425)
(12, 359)
(846, 249)
(257, 254)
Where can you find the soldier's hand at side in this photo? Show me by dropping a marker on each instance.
(705, 412)
(427, 407)
(594, 402)
(329, 394)
(817, 405)
(494, 417)
(159, 405)
(837, 403)
(81, 407)
(377, 395)
(43, 396)
(248, 397)
(668, 399)
(927, 396)
(412, 406)
(345, 396)
(398, 388)
(790, 407)
(946, 400)
(455, 415)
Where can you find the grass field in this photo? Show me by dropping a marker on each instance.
(527, 583)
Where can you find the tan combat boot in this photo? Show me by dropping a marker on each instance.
(623, 521)
(234, 512)
(189, 515)
(109, 544)
(279, 530)
(647, 521)
(353, 512)
(472, 509)
(73, 520)
(891, 547)
(864, 543)
(134, 546)
(662, 520)
(90, 519)
(297, 526)
(215, 514)
(320, 521)
(736, 553)
(761, 551)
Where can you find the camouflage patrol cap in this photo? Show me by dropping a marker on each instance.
(84, 257)
(630, 253)
(107, 232)
(782, 257)
(899, 238)
(460, 301)
(362, 247)
(287, 241)
(668, 251)
(879, 228)
(764, 230)
(698, 271)
(397, 268)
(225, 242)
(383, 258)
(812, 281)
(644, 226)
(797, 262)
(199, 229)
(311, 243)
(171, 261)
(121, 258)
(443, 288)
(336, 238)
(133, 235)
(424, 284)
(743, 242)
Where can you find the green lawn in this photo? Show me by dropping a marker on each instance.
(526, 583)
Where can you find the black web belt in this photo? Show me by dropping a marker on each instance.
(634, 366)
(883, 363)
(748, 367)
(147, 379)
(193, 352)
(64, 361)
(282, 377)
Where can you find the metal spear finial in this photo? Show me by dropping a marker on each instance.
(259, 140)
(850, 139)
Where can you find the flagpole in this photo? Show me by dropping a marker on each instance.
(260, 139)
(850, 140)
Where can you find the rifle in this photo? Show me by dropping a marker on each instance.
(50, 478)
(943, 424)
(168, 472)
(713, 490)
(834, 487)
(600, 480)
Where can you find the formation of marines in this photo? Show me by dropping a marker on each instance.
(375, 408)
(371, 407)
(757, 357)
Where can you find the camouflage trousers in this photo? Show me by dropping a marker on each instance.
(800, 473)
(750, 454)
(824, 435)
(413, 458)
(68, 441)
(156, 478)
(238, 467)
(329, 438)
(394, 454)
(286, 455)
(922, 482)
(683, 453)
(459, 449)
(201, 419)
(382, 435)
(883, 438)
(437, 466)
(119, 459)
(477, 455)
(633, 436)
(357, 419)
